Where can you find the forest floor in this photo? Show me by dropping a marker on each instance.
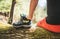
(7, 31)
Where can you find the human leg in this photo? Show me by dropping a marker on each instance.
(52, 21)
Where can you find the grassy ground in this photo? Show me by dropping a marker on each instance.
(8, 32)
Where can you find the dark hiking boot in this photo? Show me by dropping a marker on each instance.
(23, 22)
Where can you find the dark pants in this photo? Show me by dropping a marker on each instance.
(53, 12)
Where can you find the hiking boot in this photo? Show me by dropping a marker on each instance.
(23, 22)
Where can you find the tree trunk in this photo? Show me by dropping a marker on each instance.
(11, 12)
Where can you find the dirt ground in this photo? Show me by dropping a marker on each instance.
(22, 33)
(9, 32)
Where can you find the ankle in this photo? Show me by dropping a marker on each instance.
(28, 18)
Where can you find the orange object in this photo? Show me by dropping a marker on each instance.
(49, 27)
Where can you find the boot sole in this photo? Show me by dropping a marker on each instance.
(22, 26)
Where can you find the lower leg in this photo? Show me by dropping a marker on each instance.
(33, 5)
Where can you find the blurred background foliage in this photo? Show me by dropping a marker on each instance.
(22, 7)
(5, 5)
